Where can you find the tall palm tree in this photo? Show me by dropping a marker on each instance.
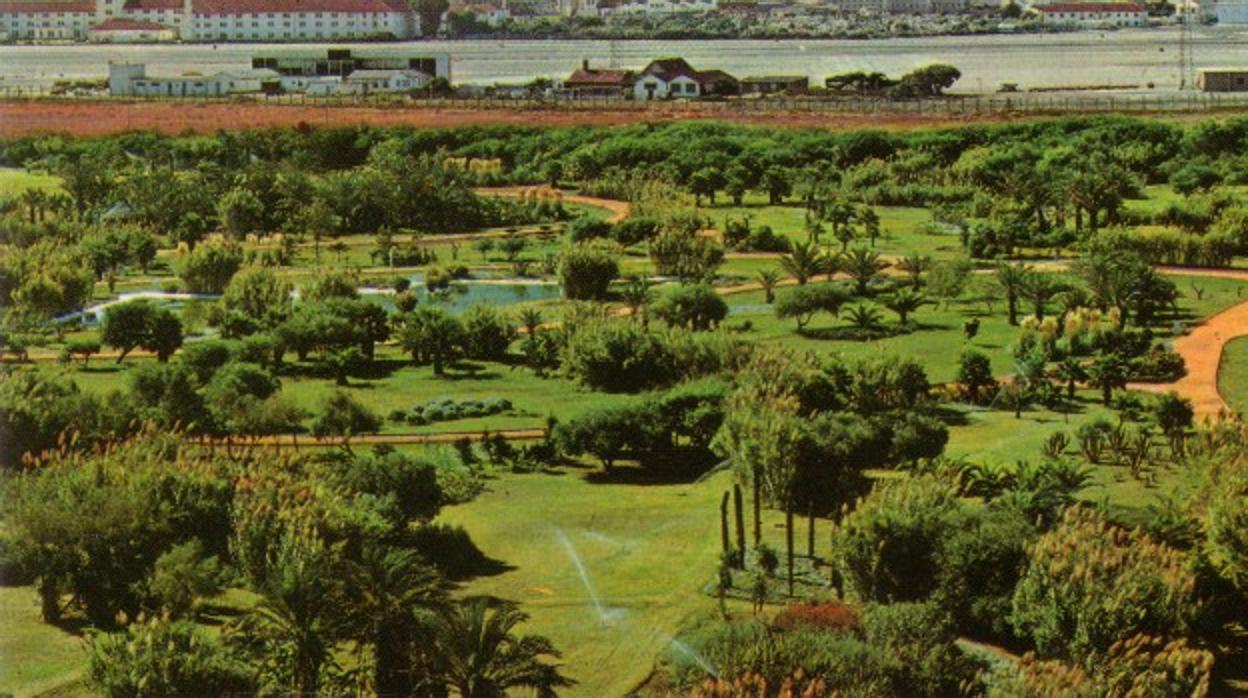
(1040, 289)
(803, 262)
(768, 278)
(1012, 278)
(870, 223)
(473, 650)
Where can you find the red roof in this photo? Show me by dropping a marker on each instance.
(599, 78)
(1092, 7)
(239, 7)
(123, 25)
(18, 6)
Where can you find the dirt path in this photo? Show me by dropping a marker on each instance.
(1201, 349)
(619, 209)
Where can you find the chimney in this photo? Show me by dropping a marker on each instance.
(585, 64)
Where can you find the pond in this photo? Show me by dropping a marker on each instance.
(456, 299)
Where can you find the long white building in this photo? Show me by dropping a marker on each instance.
(209, 20)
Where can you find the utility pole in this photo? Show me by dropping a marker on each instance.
(1185, 46)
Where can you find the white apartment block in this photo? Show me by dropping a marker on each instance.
(610, 8)
(213, 20)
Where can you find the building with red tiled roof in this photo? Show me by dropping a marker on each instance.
(599, 82)
(1115, 14)
(130, 31)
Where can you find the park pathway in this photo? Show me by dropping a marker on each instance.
(1201, 349)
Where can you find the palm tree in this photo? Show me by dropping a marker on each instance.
(388, 584)
(474, 651)
(870, 223)
(531, 318)
(1040, 289)
(1012, 278)
(767, 279)
(904, 302)
(864, 317)
(803, 262)
(1109, 372)
(298, 620)
(863, 266)
(842, 215)
(637, 296)
(1071, 371)
(915, 265)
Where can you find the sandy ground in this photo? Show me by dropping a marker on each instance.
(1201, 349)
(94, 118)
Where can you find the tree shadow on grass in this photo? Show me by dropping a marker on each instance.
(853, 334)
(680, 466)
(452, 551)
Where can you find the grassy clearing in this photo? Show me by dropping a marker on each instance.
(646, 548)
(1233, 374)
(14, 181)
(35, 657)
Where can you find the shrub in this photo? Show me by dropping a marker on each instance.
(803, 302)
(487, 333)
(887, 547)
(588, 228)
(980, 560)
(829, 616)
(696, 307)
(615, 356)
(158, 657)
(587, 269)
(634, 229)
(921, 637)
(1090, 584)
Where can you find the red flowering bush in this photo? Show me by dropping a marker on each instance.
(832, 616)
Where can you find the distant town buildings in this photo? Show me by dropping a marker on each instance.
(207, 20)
(1094, 14)
(336, 71)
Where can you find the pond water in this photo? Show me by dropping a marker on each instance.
(456, 299)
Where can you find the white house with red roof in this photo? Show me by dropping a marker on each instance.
(675, 78)
(1094, 14)
(209, 20)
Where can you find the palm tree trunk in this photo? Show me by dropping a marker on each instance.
(723, 524)
(758, 507)
(810, 532)
(738, 510)
(788, 537)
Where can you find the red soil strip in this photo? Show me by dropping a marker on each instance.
(441, 437)
(1201, 350)
(95, 118)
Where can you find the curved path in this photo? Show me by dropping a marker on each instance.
(434, 437)
(619, 209)
(1201, 349)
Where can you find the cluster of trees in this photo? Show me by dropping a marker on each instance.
(339, 551)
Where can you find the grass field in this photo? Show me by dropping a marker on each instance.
(14, 181)
(35, 657)
(1233, 374)
(646, 550)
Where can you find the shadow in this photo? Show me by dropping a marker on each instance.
(451, 550)
(853, 334)
(678, 466)
(950, 416)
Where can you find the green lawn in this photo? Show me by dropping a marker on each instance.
(647, 549)
(14, 181)
(35, 657)
(396, 384)
(1233, 374)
